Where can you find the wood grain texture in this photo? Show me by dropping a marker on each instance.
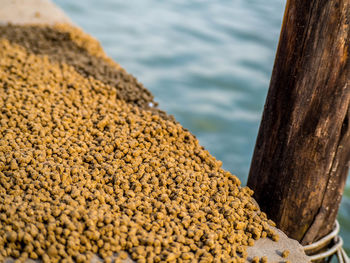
(302, 153)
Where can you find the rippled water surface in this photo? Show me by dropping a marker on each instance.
(207, 62)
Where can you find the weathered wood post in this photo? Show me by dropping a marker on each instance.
(302, 153)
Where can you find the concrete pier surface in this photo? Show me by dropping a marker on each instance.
(31, 12)
(28, 12)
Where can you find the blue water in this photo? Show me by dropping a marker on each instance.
(207, 62)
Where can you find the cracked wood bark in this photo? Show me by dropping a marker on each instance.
(302, 153)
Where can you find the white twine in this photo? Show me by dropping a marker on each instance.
(336, 249)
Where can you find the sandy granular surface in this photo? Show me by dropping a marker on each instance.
(86, 167)
(69, 45)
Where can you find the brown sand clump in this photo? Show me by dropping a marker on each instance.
(69, 45)
(83, 173)
(86, 42)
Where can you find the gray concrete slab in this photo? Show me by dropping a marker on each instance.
(31, 12)
(273, 250)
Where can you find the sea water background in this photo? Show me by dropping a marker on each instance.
(207, 62)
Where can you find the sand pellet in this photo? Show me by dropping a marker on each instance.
(285, 253)
(84, 172)
(255, 259)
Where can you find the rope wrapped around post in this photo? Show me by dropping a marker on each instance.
(336, 249)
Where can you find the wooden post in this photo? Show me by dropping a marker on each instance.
(302, 153)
